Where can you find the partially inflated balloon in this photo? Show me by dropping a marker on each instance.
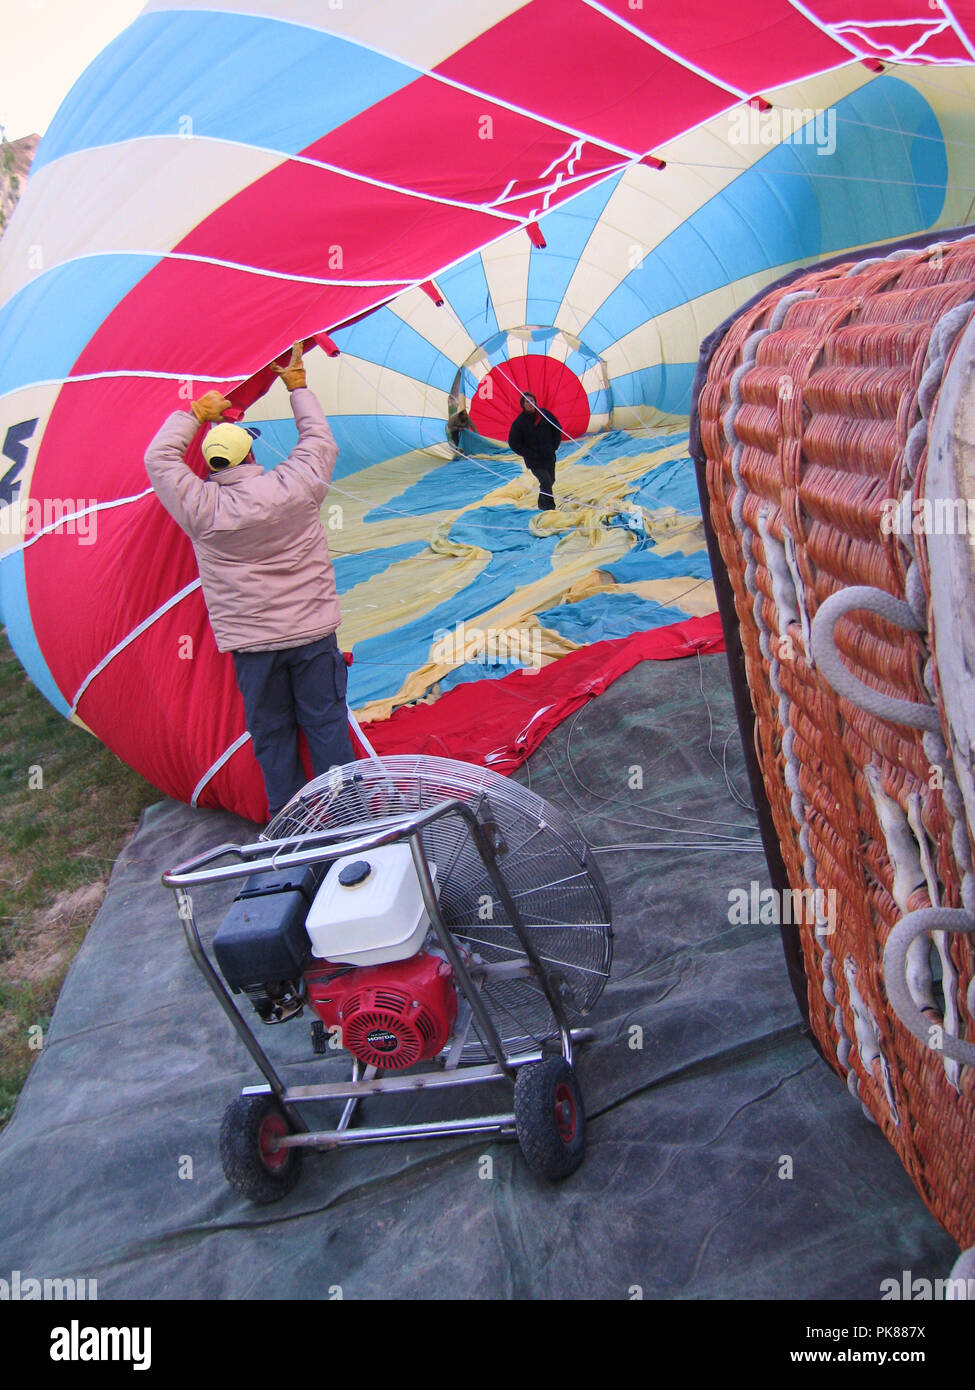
(467, 200)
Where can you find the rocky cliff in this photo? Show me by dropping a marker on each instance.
(15, 159)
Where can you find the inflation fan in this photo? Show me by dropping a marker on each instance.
(440, 925)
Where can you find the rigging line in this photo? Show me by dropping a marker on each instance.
(672, 54)
(882, 49)
(641, 809)
(498, 367)
(575, 801)
(585, 503)
(917, 68)
(894, 130)
(603, 173)
(736, 796)
(684, 592)
(350, 360)
(648, 844)
(712, 839)
(412, 516)
(808, 174)
(707, 839)
(386, 507)
(522, 391)
(618, 801)
(716, 840)
(477, 462)
(367, 502)
(581, 440)
(715, 843)
(706, 705)
(959, 29)
(825, 28)
(963, 91)
(404, 288)
(939, 25)
(486, 526)
(351, 364)
(724, 764)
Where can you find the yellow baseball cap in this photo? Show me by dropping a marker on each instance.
(227, 445)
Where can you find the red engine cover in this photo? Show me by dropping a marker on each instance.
(390, 1015)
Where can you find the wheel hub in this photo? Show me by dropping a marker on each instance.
(273, 1129)
(565, 1113)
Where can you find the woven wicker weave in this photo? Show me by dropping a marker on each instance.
(812, 396)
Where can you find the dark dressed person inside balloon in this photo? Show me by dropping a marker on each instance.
(266, 575)
(458, 422)
(536, 434)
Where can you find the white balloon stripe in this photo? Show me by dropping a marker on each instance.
(130, 638)
(77, 516)
(670, 53)
(214, 768)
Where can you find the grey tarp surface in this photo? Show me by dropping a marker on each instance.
(681, 1194)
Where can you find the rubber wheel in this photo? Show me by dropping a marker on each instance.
(550, 1119)
(252, 1167)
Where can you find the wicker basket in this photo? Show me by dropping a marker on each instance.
(824, 410)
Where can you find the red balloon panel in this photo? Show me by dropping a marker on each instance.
(554, 386)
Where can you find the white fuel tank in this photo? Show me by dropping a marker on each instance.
(369, 909)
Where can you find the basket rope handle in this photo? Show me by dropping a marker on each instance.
(842, 679)
(908, 929)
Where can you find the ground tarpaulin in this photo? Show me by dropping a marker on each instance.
(685, 1192)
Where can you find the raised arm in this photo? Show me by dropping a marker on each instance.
(313, 457)
(176, 485)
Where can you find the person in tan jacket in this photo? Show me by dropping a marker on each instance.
(266, 575)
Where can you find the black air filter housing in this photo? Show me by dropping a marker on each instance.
(262, 940)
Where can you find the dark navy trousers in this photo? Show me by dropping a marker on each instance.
(546, 482)
(282, 690)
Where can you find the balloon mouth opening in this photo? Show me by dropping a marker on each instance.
(568, 381)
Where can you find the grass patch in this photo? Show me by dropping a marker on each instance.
(67, 806)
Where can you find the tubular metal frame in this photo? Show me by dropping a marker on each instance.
(325, 846)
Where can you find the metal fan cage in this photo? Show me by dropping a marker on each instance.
(547, 866)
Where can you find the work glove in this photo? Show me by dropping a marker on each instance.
(293, 375)
(210, 408)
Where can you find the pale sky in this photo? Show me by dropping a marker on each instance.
(46, 46)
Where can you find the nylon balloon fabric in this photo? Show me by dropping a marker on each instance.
(461, 218)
